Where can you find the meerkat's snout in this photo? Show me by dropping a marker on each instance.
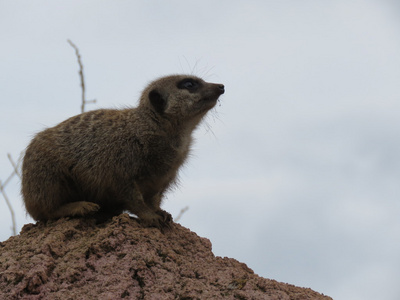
(213, 91)
(220, 88)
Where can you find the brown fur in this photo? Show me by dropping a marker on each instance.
(106, 161)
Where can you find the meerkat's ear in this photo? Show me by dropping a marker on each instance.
(157, 101)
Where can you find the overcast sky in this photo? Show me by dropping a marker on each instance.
(296, 171)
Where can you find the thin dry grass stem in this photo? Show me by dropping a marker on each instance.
(183, 210)
(16, 165)
(14, 223)
(4, 184)
(16, 171)
(82, 77)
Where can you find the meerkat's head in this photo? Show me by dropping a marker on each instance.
(181, 97)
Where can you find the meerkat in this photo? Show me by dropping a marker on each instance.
(112, 160)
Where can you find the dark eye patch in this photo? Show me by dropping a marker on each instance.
(189, 84)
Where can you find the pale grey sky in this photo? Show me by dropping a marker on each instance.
(296, 172)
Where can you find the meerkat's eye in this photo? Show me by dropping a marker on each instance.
(189, 84)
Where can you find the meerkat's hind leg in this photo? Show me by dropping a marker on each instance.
(75, 209)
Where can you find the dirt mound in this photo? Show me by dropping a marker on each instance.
(77, 259)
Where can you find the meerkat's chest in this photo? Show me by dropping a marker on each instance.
(183, 147)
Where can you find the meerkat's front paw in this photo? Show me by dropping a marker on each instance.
(167, 218)
(160, 220)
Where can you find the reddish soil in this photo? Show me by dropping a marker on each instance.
(77, 259)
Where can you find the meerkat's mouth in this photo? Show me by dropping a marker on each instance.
(207, 103)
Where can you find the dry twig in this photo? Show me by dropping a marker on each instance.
(16, 165)
(183, 210)
(84, 101)
(16, 171)
(14, 225)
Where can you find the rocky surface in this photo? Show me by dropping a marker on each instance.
(77, 259)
